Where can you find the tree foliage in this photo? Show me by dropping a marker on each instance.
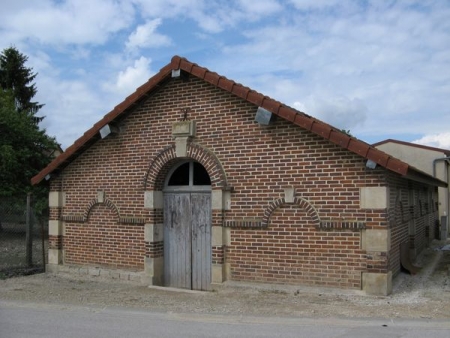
(25, 149)
(14, 76)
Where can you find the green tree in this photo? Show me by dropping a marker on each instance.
(25, 149)
(17, 78)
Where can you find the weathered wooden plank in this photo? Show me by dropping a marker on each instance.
(187, 240)
(177, 241)
(201, 240)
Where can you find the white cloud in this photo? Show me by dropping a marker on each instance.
(66, 22)
(341, 112)
(145, 36)
(314, 4)
(260, 7)
(393, 58)
(134, 76)
(168, 8)
(441, 140)
(378, 68)
(212, 16)
(71, 107)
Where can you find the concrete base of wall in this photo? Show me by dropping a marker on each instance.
(55, 256)
(133, 276)
(377, 283)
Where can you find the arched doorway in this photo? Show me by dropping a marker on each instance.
(187, 227)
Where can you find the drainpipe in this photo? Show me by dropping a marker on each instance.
(440, 160)
(446, 159)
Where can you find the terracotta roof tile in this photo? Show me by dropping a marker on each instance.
(271, 105)
(378, 157)
(321, 129)
(175, 62)
(186, 65)
(198, 72)
(301, 119)
(339, 138)
(396, 165)
(212, 78)
(358, 147)
(241, 91)
(255, 98)
(226, 84)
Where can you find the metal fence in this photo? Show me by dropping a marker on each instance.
(23, 237)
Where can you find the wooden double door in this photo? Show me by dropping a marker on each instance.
(187, 240)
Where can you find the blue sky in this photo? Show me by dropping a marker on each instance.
(380, 69)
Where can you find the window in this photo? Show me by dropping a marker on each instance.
(188, 175)
(180, 176)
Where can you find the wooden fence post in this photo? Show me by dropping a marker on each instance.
(29, 233)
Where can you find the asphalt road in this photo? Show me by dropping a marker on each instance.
(22, 320)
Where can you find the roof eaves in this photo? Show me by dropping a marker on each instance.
(419, 176)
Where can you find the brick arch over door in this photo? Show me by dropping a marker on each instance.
(302, 203)
(166, 158)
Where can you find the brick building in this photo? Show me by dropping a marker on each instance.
(195, 179)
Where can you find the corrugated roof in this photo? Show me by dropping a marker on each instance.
(296, 117)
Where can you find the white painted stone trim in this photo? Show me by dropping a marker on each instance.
(181, 146)
(220, 200)
(100, 196)
(55, 256)
(379, 284)
(56, 199)
(55, 228)
(153, 199)
(153, 232)
(376, 240)
(217, 273)
(153, 270)
(289, 194)
(216, 236)
(373, 198)
(184, 128)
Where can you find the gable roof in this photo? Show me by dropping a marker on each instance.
(446, 152)
(296, 117)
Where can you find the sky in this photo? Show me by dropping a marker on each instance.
(378, 68)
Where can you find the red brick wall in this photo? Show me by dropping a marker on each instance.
(259, 162)
(291, 250)
(102, 241)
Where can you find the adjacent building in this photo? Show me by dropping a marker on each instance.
(434, 161)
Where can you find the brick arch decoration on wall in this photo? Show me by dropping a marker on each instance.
(110, 205)
(302, 203)
(166, 158)
(83, 218)
(312, 212)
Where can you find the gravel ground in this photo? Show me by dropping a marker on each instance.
(425, 295)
